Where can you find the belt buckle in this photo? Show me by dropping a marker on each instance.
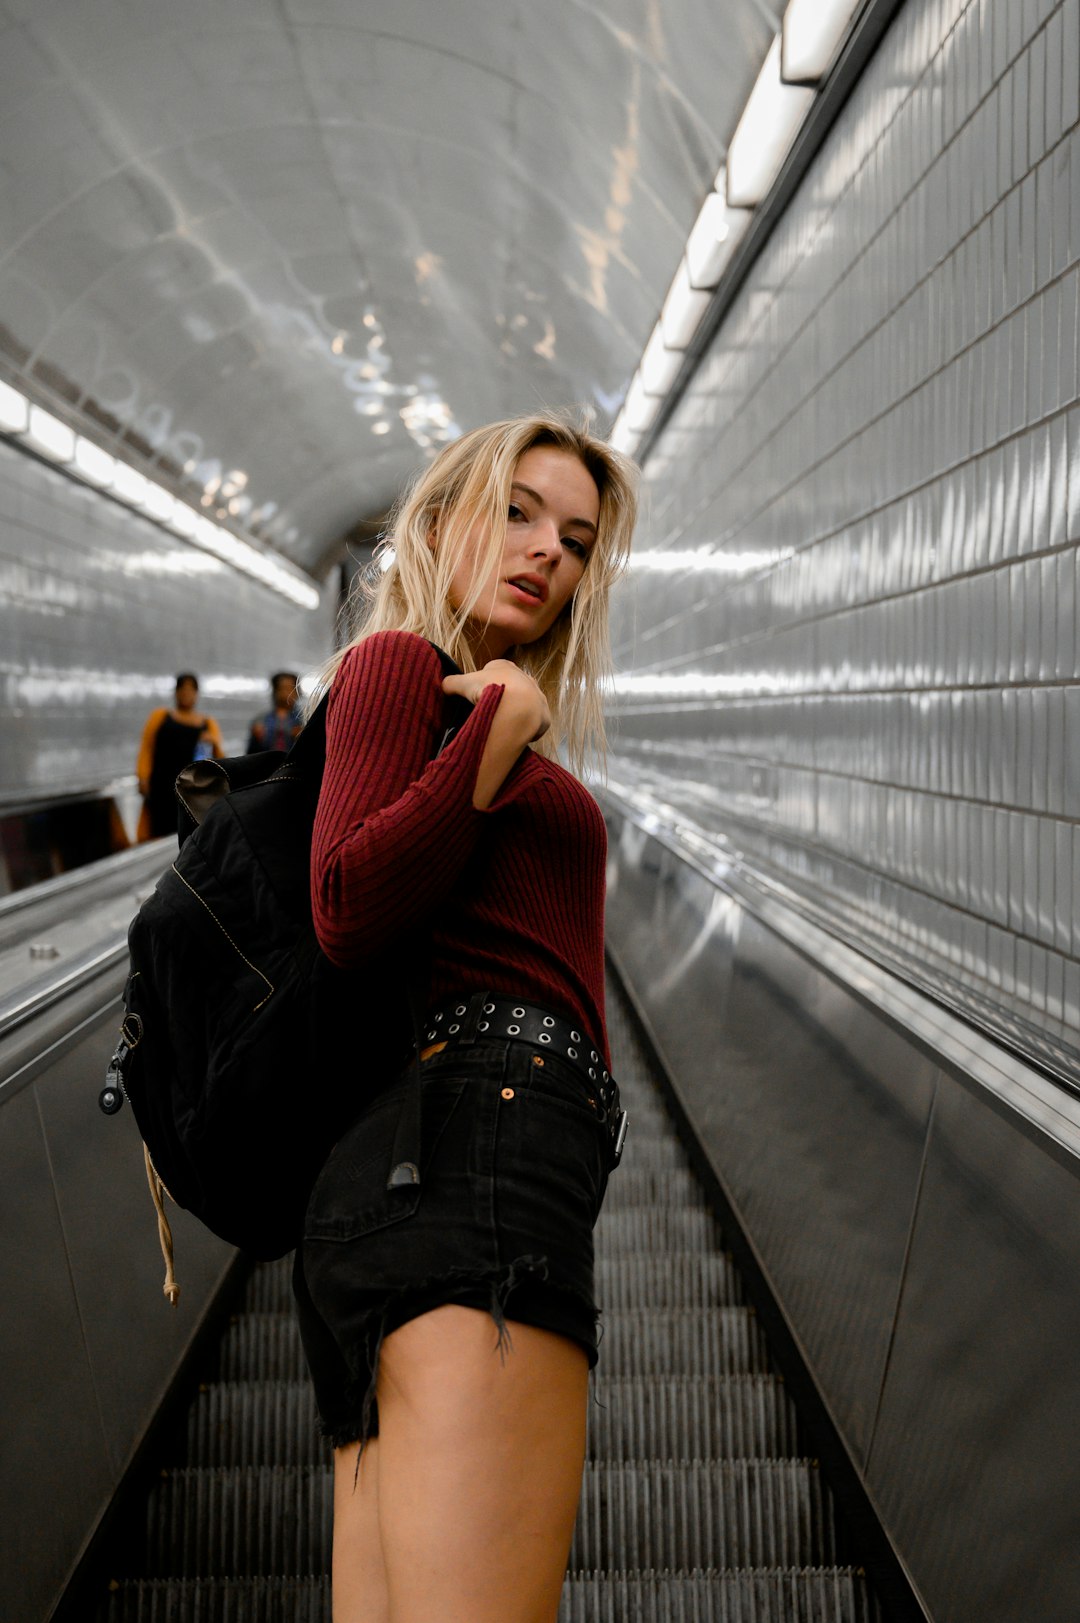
(622, 1122)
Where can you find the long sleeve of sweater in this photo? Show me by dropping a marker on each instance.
(394, 827)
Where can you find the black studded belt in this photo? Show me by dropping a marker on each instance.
(466, 1019)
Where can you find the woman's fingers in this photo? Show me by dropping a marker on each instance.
(520, 688)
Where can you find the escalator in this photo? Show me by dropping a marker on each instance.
(697, 1504)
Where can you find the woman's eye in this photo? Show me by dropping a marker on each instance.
(577, 547)
(515, 511)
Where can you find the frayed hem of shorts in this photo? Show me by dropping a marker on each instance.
(499, 1282)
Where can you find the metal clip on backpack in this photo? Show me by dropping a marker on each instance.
(238, 1049)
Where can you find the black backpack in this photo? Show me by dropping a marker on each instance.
(241, 1050)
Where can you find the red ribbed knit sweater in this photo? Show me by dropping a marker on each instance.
(513, 895)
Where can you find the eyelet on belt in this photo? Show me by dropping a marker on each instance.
(519, 1014)
(513, 1030)
(460, 1008)
(455, 1027)
(482, 1025)
(543, 1037)
(548, 1021)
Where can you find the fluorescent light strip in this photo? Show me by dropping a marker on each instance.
(49, 435)
(94, 466)
(683, 309)
(799, 56)
(639, 408)
(717, 232)
(660, 366)
(14, 410)
(622, 437)
(770, 121)
(813, 33)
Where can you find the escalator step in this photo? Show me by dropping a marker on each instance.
(249, 1522)
(811, 1595)
(219, 1600)
(633, 1185)
(664, 1343)
(683, 1341)
(688, 1513)
(638, 1279)
(741, 1417)
(658, 1229)
(253, 1521)
(642, 1281)
(738, 1417)
(815, 1595)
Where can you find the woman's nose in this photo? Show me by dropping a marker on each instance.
(545, 540)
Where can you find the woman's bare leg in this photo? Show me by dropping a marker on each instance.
(359, 1573)
(479, 1470)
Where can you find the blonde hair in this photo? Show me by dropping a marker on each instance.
(467, 488)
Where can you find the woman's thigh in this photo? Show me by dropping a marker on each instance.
(479, 1468)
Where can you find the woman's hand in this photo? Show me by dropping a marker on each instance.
(522, 697)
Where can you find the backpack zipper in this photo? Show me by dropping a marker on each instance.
(265, 979)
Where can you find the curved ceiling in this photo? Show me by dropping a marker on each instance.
(276, 251)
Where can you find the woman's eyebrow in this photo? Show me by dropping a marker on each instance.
(527, 490)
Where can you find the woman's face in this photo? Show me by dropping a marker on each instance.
(186, 695)
(551, 528)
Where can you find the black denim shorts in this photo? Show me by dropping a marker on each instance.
(513, 1172)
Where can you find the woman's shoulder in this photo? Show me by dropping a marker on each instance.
(402, 651)
(396, 671)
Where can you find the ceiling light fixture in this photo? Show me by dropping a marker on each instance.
(159, 503)
(717, 232)
(14, 410)
(683, 309)
(95, 466)
(129, 484)
(813, 31)
(660, 366)
(639, 408)
(92, 463)
(49, 435)
(763, 136)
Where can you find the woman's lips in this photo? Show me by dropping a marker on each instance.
(527, 593)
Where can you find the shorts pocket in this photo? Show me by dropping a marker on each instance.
(350, 1197)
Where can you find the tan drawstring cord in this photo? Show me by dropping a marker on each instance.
(157, 1188)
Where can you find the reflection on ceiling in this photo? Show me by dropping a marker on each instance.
(275, 256)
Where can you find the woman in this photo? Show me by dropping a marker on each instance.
(450, 1325)
(171, 738)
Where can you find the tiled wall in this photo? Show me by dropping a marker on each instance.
(99, 609)
(868, 679)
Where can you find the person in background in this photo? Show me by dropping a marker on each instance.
(171, 738)
(277, 729)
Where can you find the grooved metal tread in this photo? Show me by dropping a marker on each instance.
(788, 1595)
(233, 1423)
(252, 1520)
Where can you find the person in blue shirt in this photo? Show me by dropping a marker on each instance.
(277, 728)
